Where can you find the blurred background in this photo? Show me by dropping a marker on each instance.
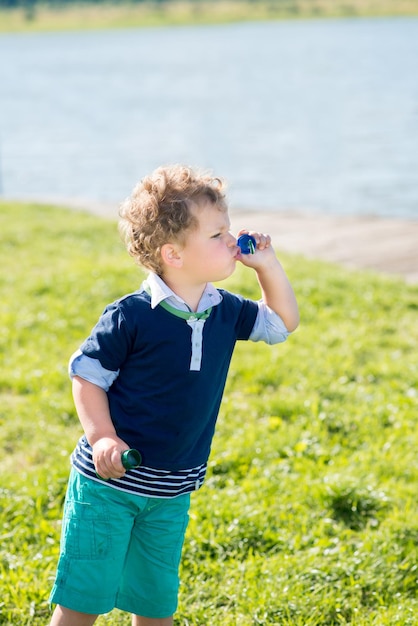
(312, 114)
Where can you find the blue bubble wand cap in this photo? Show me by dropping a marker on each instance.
(247, 244)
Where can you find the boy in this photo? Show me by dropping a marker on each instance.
(150, 377)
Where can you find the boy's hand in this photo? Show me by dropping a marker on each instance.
(276, 291)
(107, 453)
(263, 245)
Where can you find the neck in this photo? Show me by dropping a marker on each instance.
(191, 294)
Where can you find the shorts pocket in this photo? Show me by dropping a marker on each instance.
(86, 532)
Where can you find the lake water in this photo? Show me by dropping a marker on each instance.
(315, 115)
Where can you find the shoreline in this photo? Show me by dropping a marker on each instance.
(380, 244)
(38, 17)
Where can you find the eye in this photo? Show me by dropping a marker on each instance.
(216, 236)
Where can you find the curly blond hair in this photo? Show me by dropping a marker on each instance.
(159, 210)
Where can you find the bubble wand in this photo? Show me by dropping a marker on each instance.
(130, 460)
(247, 244)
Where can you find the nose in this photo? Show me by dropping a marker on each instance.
(232, 242)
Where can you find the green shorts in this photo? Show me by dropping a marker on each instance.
(119, 550)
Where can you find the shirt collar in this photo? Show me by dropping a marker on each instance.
(161, 291)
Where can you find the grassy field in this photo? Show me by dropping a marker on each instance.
(309, 516)
(89, 15)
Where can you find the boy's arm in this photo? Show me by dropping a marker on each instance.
(275, 287)
(93, 411)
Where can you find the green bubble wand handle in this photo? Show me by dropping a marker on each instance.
(131, 459)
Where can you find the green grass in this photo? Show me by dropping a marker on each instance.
(46, 16)
(309, 515)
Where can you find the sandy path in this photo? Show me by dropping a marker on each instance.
(384, 245)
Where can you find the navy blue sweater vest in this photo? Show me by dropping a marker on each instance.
(157, 404)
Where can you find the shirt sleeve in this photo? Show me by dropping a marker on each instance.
(91, 370)
(268, 327)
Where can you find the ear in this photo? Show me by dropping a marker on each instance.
(170, 254)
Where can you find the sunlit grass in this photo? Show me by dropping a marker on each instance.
(89, 15)
(309, 514)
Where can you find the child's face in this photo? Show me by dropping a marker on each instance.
(210, 252)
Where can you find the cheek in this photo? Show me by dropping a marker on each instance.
(222, 254)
